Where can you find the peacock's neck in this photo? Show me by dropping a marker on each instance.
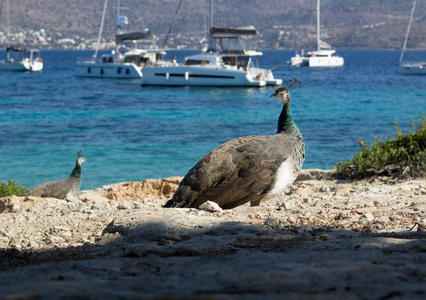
(77, 170)
(285, 121)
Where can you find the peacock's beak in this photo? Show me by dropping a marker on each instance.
(273, 95)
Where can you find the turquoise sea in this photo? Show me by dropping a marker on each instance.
(131, 133)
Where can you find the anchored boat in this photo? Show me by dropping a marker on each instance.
(227, 62)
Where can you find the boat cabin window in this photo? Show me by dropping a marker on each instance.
(158, 57)
(233, 44)
(230, 60)
(136, 59)
(107, 59)
(191, 62)
(239, 61)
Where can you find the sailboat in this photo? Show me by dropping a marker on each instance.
(323, 57)
(127, 60)
(411, 67)
(17, 58)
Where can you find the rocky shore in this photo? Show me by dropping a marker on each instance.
(322, 238)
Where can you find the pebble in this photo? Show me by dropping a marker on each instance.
(288, 205)
(368, 217)
(123, 206)
(325, 237)
(359, 211)
(272, 222)
(382, 220)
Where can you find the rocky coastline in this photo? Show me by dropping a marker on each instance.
(321, 238)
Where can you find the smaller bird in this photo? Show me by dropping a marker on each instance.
(247, 169)
(63, 189)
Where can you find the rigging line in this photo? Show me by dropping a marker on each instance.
(276, 66)
(408, 31)
(100, 31)
(171, 25)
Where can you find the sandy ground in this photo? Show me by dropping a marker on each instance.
(321, 239)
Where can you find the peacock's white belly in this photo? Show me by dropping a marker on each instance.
(285, 176)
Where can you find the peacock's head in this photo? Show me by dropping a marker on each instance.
(282, 94)
(80, 159)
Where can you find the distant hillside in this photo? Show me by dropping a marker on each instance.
(289, 24)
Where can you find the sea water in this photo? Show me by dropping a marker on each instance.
(131, 133)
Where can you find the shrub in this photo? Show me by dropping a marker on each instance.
(403, 156)
(12, 188)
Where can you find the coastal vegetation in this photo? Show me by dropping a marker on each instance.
(12, 188)
(400, 157)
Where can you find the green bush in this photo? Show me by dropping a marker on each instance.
(12, 188)
(403, 156)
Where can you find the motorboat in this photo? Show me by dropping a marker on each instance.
(21, 59)
(227, 62)
(410, 67)
(322, 57)
(17, 58)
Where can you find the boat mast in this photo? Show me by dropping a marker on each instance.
(117, 29)
(7, 21)
(100, 31)
(318, 25)
(211, 14)
(408, 31)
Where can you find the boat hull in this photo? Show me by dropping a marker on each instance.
(317, 62)
(413, 68)
(198, 76)
(21, 66)
(333, 61)
(107, 70)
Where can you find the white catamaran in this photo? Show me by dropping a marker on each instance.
(411, 67)
(228, 62)
(323, 57)
(128, 59)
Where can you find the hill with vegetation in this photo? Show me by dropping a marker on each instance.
(289, 24)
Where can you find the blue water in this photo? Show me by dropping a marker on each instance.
(130, 133)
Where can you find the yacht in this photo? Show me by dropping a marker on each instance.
(227, 62)
(124, 62)
(323, 57)
(410, 67)
(20, 59)
(133, 52)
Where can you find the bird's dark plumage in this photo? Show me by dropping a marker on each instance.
(247, 169)
(64, 189)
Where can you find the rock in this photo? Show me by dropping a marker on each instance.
(359, 211)
(288, 205)
(272, 222)
(368, 217)
(211, 207)
(325, 237)
(149, 188)
(123, 206)
(312, 174)
(382, 220)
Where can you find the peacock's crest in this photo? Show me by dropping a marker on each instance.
(292, 84)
